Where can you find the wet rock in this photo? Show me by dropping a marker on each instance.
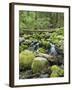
(53, 59)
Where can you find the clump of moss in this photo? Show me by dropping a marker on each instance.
(22, 47)
(55, 68)
(56, 71)
(41, 50)
(39, 65)
(61, 72)
(25, 59)
(45, 43)
(57, 36)
(54, 74)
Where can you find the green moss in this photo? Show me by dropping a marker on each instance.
(45, 43)
(42, 50)
(57, 36)
(61, 72)
(60, 31)
(55, 68)
(39, 66)
(54, 74)
(56, 71)
(22, 47)
(25, 59)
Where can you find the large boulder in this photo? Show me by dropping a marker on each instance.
(25, 59)
(53, 59)
(39, 65)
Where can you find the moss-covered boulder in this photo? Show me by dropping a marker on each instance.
(39, 65)
(56, 71)
(55, 68)
(54, 74)
(25, 59)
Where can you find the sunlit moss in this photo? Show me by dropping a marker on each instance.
(56, 71)
(42, 50)
(25, 59)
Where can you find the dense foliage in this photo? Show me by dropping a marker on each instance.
(40, 20)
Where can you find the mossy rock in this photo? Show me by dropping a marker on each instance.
(54, 74)
(39, 65)
(25, 59)
(61, 72)
(56, 71)
(55, 68)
